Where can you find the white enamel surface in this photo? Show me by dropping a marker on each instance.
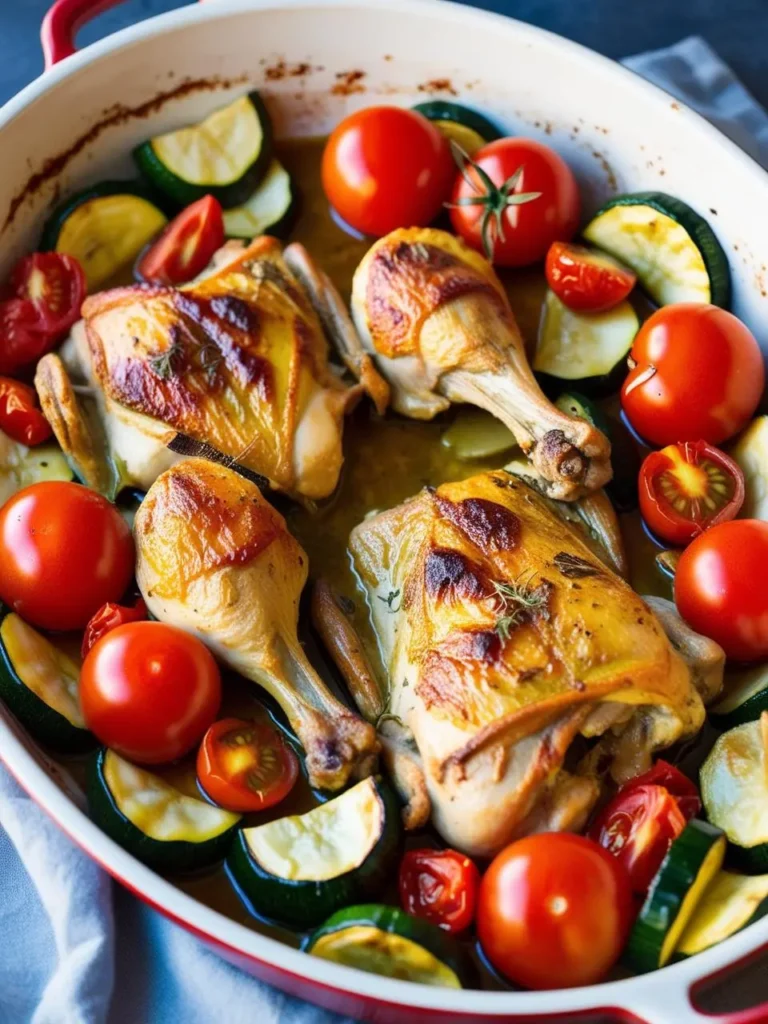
(615, 130)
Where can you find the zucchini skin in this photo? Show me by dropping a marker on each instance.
(182, 193)
(172, 857)
(279, 228)
(305, 904)
(576, 404)
(54, 224)
(444, 110)
(47, 726)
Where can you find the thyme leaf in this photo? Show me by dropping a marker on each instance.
(165, 364)
(520, 600)
(575, 568)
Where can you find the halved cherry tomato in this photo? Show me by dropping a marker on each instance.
(680, 786)
(109, 617)
(23, 336)
(186, 246)
(149, 691)
(554, 911)
(246, 766)
(697, 372)
(513, 199)
(20, 417)
(55, 284)
(687, 488)
(440, 885)
(385, 168)
(586, 279)
(720, 587)
(64, 552)
(638, 826)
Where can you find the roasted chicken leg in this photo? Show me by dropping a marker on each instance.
(437, 320)
(215, 559)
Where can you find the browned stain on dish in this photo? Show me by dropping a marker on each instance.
(438, 85)
(282, 69)
(112, 116)
(610, 174)
(348, 83)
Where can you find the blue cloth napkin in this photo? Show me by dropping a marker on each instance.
(77, 949)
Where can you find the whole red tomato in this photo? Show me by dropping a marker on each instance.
(720, 587)
(697, 374)
(441, 886)
(149, 691)
(64, 552)
(515, 198)
(385, 168)
(554, 911)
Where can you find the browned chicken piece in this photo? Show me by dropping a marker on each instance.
(236, 360)
(504, 638)
(437, 320)
(215, 559)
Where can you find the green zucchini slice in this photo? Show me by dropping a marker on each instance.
(224, 156)
(104, 228)
(746, 697)
(460, 124)
(151, 819)
(385, 940)
(734, 791)
(692, 862)
(588, 349)
(673, 250)
(300, 869)
(730, 903)
(21, 466)
(268, 211)
(576, 404)
(751, 453)
(39, 683)
(476, 434)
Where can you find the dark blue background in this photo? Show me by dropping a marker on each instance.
(738, 29)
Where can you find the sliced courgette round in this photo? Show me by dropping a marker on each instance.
(730, 903)
(691, 863)
(154, 821)
(224, 156)
(588, 349)
(299, 869)
(268, 211)
(734, 791)
(21, 466)
(460, 124)
(385, 940)
(673, 250)
(39, 683)
(746, 697)
(104, 228)
(476, 434)
(750, 451)
(576, 404)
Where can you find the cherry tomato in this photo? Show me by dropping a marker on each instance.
(687, 488)
(64, 552)
(680, 786)
(149, 691)
(554, 911)
(697, 372)
(720, 587)
(20, 417)
(246, 766)
(385, 168)
(55, 284)
(586, 279)
(186, 246)
(440, 885)
(513, 200)
(23, 336)
(109, 617)
(638, 827)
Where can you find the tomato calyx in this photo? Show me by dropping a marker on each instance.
(495, 199)
(441, 886)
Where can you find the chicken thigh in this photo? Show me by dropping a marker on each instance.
(437, 320)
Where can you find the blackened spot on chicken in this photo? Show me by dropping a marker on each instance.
(448, 575)
(236, 312)
(557, 451)
(479, 645)
(328, 755)
(490, 526)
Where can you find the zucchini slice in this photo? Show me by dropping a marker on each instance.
(751, 453)
(300, 869)
(746, 697)
(576, 404)
(734, 791)
(268, 211)
(730, 903)
(385, 940)
(104, 228)
(588, 348)
(39, 683)
(154, 821)
(224, 156)
(476, 434)
(21, 466)
(691, 863)
(460, 124)
(673, 250)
